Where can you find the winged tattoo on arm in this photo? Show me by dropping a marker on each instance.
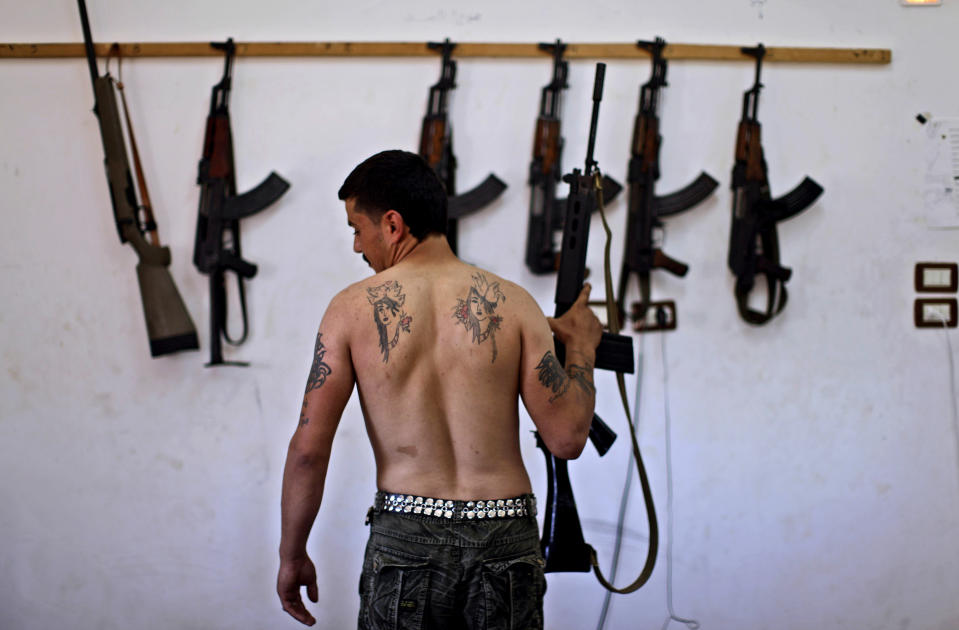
(554, 377)
(318, 373)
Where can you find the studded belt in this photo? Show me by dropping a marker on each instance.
(516, 507)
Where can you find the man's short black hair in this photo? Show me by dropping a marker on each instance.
(401, 181)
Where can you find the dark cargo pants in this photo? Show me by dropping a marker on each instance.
(424, 572)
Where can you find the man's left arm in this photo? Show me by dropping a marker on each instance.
(328, 389)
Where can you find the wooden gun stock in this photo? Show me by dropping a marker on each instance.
(662, 261)
(546, 145)
(433, 141)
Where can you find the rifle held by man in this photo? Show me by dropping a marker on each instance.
(216, 248)
(436, 147)
(169, 326)
(563, 546)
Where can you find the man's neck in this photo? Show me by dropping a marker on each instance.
(431, 248)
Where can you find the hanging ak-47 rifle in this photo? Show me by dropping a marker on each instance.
(545, 172)
(169, 326)
(564, 548)
(217, 246)
(753, 241)
(436, 146)
(646, 209)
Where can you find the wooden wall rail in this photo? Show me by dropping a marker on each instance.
(463, 49)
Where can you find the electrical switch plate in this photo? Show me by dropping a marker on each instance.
(935, 313)
(937, 277)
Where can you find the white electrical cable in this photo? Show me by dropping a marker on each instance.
(692, 624)
(952, 387)
(624, 498)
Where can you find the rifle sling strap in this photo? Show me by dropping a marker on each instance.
(149, 223)
(766, 264)
(612, 313)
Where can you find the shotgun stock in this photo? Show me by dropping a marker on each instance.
(169, 326)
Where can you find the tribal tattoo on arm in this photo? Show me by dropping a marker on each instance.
(320, 370)
(553, 377)
(318, 373)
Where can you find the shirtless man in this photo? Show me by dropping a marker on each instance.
(440, 352)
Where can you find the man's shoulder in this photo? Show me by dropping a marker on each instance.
(520, 299)
(360, 291)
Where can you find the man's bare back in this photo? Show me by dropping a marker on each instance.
(437, 348)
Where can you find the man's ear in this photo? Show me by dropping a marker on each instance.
(394, 227)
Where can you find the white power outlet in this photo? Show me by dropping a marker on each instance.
(935, 313)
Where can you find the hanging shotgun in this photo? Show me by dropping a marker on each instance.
(436, 146)
(169, 326)
(564, 548)
(217, 246)
(753, 241)
(545, 172)
(641, 254)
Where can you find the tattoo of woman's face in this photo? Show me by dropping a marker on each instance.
(387, 300)
(478, 311)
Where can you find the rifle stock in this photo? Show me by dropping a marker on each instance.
(169, 326)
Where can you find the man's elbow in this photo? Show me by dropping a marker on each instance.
(569, 444)
(568, 449)
(303, 455)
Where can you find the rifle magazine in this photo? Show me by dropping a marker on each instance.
(479, 197)
(798, 199)
(686, 197)
(252, 201)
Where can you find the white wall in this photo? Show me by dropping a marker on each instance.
(815, 459)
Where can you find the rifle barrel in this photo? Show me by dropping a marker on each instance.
(88, 42)
(597, 97)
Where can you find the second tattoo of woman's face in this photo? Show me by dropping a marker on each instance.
(477, 312)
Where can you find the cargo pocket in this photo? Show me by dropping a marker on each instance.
(397, 592)
(514, 593)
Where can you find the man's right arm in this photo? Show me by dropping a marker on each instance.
(560, 399)
(328, 389)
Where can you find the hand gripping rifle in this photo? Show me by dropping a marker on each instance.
(646, 209)
(753, 241)
(545, 172)
(563, 546)
(216, 249)
(436, 146)
(169, 326)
